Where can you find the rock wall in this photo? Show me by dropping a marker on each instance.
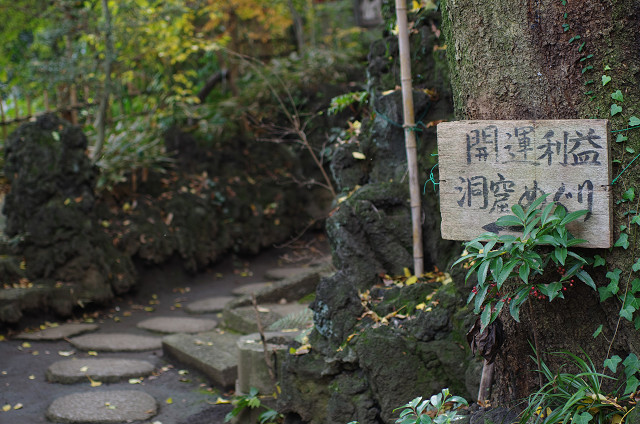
(230, 196)
(378, 342)
(66, 259)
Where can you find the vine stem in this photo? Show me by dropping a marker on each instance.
(626, 291)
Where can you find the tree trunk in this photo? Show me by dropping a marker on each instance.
(106, 90)
(525, 59)
(298, 28)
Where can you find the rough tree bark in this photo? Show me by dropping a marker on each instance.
(521, 59)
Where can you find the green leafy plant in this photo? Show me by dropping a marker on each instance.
(131, 146)
(438, 409)
(576, 397)
(340, 103)
(507, 266)
(252, 401)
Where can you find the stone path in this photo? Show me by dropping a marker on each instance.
(118, 370)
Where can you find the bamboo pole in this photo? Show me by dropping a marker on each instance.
(410, 136)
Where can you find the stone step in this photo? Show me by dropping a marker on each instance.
(249, 289)
(116, 342)
(170, 325)
(282, 273)
(214, 354)
(104, 407)
(208, 305)
(243, 318)
(58, 333)
(277, 274)
(291, 289)
(104, 370)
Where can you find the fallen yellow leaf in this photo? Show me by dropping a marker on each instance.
(5, 408)
(32, 377)
(18, 406)
(2, 338)
(220, 401)
(135, 381)
(358, 155)
(421, 306)
(26, 345)
(407, 273)
(411, 280)
(169, 401)
(92, 353)
(66, 352)
(84, 369)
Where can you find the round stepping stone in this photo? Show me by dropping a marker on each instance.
(209, 305)
(104, 407)
(58, 333)
(104, 370)
(116, 342)
(250, 288)
(177, 325)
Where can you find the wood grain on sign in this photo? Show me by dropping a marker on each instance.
(486, 167)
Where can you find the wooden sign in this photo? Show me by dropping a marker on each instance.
(486, 167)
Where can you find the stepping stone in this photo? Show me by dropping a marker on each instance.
(208, 305)
(104, 407)
(104, 370)
(116, 342)
(292, 289)
(249, 289)
(58, 333)
(171, 325)
(277, 274)
(243, 319)
(214, 354)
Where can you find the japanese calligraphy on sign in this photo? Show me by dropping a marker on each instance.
(486, 167)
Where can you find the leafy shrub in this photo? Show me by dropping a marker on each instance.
(438, 409)
(507, 272)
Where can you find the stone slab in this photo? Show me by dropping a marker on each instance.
(291, 289)
(58, 333)
(208, 305)
(213, 353)
(249, 289)
(116, 342)
(277, 274)
(171, 325)
(105, 370)
(243, 319)
(103, 407)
